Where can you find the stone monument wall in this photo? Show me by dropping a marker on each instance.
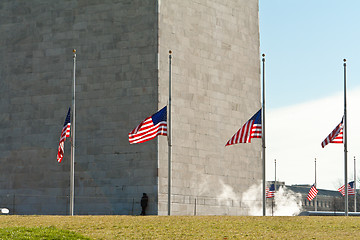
(215, 89)
(122, 77)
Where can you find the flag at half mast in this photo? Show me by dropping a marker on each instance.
(270, 192)
(64, 134)
(251, 129)
(150, 128)
(336, 136)
(351, 190)
(312, 193)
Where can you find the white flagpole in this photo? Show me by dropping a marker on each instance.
(354, 184)
(316, 188)
(72, 165)
(263, 137)
(345, 145)
(275, 176)
(272, 200)
(169, 138)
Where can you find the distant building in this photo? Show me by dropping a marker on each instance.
(326, 200)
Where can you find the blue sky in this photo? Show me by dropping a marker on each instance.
(305, 43)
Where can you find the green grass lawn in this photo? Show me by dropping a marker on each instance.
(13, 233)
(181, 227)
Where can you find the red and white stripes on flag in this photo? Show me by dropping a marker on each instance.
(270, 192)
(312, 193)
(251, 129)
(351, 189)
(266, 191)
(336, 136)
(150, 128)
(64, 134)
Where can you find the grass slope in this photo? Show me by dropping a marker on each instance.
(14, 233)
(194, 227)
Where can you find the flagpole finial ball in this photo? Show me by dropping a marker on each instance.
(74, 50)
(170, 52)
(344, 60)
(263, 54)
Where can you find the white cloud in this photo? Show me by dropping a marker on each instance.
(294, 135)
(287, 203)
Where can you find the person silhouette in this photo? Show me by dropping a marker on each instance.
(144, 203)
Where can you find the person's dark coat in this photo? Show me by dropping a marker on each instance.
(144, 203)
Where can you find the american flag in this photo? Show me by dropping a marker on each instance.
(351, 189)
(312, 193)
(270, 192)
(64, 134)
(251, 129)
(150, 128)
(336, 136)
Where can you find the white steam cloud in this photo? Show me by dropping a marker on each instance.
(228, 196)
(286, 202)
